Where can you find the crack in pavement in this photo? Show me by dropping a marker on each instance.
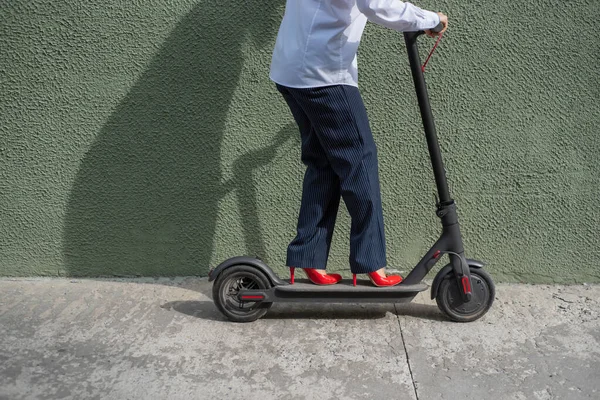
(412, 378)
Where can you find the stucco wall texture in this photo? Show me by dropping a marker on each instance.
(145, 138)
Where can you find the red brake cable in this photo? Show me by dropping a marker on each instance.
(431, 52)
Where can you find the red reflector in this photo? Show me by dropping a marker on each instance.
(252, 297)
(436, 254)
(466, 284)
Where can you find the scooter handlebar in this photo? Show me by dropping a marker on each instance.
(438, 28)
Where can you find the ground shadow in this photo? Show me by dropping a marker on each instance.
(145, 199)
(199, 309)
(421, 311)
(208, 310)
(329, 311)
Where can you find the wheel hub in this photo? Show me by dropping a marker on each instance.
(232, 288)
(480, 292)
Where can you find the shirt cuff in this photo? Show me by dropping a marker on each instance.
(432, 18)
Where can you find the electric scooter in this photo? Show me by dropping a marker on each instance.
(245, 288)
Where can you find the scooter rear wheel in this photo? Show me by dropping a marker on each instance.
(449, 298)
(227, 286)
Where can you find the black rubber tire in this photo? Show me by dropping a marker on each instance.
(224, 291)
(450, 301)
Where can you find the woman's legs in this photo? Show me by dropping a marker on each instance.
(320, 198)
(339, 145)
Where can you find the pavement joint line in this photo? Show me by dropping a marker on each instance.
(412, 378)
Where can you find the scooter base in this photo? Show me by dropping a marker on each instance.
(343, 292)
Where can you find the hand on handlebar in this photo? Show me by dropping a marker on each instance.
(443, 21)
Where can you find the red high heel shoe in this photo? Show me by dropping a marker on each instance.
(316, 277)
(379, 280)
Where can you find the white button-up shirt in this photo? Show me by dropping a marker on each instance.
(318, 39)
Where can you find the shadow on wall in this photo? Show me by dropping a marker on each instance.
(145, 200)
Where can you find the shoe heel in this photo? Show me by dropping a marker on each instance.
(292, 270)
(354, 279)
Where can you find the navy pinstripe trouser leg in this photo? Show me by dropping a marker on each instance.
(341, 158)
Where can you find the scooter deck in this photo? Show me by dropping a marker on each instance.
(343, 292)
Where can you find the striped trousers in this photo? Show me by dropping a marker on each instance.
(341, 160)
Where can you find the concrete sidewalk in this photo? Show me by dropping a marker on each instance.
(164, 339)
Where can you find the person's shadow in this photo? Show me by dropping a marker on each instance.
(146, 196)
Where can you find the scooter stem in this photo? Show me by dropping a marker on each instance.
(428, 123)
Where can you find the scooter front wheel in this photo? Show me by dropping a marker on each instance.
(450, 301)
(226, 289)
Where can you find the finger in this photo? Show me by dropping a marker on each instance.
(445, 27)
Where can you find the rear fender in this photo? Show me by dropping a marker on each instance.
(244, 260)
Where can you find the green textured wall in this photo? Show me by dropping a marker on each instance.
(144, 137)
